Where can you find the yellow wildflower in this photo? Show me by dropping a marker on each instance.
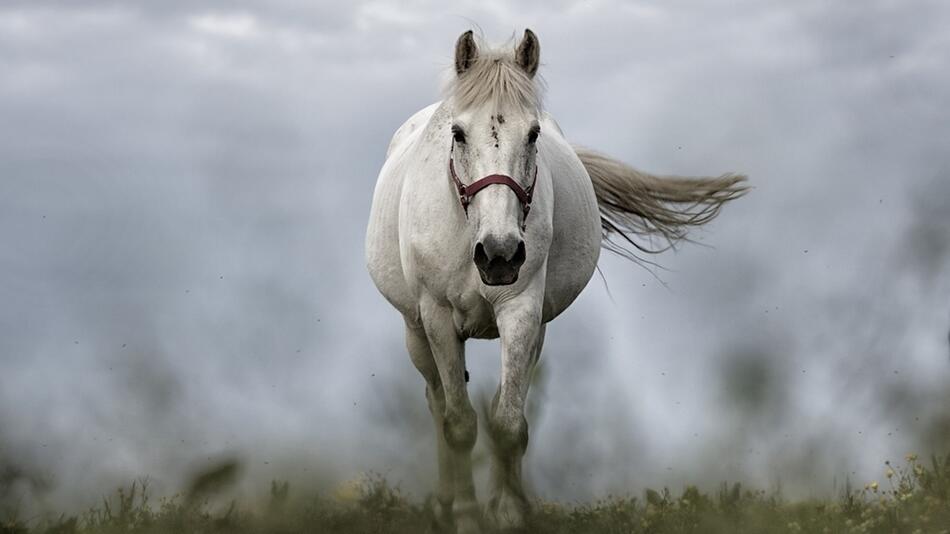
(350, 490)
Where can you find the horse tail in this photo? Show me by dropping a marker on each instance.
(636, 206)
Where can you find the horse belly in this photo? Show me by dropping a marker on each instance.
(575, 245)
(570, 268)
(382, 249)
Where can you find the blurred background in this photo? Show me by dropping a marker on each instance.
(184, 193)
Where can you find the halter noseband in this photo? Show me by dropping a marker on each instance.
(467, 192)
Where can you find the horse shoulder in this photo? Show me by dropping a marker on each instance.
(547, 121)
(414, 124)
(383, 257)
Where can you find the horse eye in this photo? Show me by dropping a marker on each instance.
(533, 135)
(458, 134)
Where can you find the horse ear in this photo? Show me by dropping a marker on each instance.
(465, 52)
(528, 53)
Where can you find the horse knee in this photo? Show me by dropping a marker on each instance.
(509, 433)
(436, 398)
(460, 428)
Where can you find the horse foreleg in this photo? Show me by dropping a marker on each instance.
(421, 355)
(459, 422)
(521, 332)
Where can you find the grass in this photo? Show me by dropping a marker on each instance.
(913, 497)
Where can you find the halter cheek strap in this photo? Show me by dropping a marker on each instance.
(467, 192)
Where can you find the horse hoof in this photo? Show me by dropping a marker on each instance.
(442, 525)
(467, 525)
(443, 522)
(508, 514)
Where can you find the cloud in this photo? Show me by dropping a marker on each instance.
(183, 196)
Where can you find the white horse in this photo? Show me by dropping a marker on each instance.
(487, 223)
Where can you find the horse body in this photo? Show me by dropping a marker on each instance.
(487, 223)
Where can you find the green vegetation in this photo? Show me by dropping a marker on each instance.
(911, 498)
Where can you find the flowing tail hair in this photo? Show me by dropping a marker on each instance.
(660, 210)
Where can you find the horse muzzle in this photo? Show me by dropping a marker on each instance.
(499, 260)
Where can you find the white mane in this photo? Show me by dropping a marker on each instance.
(496, 79)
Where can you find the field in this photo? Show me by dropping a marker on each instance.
(910, 498)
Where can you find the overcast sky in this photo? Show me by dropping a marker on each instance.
(184, 193)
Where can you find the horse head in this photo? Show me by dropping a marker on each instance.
(493, 156)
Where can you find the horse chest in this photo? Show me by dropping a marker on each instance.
(474, 317)
(449, 277)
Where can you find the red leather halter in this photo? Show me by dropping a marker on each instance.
(467, 192)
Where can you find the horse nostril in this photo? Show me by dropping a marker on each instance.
(518, 259)
(480, 257)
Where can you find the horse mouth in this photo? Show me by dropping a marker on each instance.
(500, 275)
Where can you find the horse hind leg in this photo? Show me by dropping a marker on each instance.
(421, 355)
